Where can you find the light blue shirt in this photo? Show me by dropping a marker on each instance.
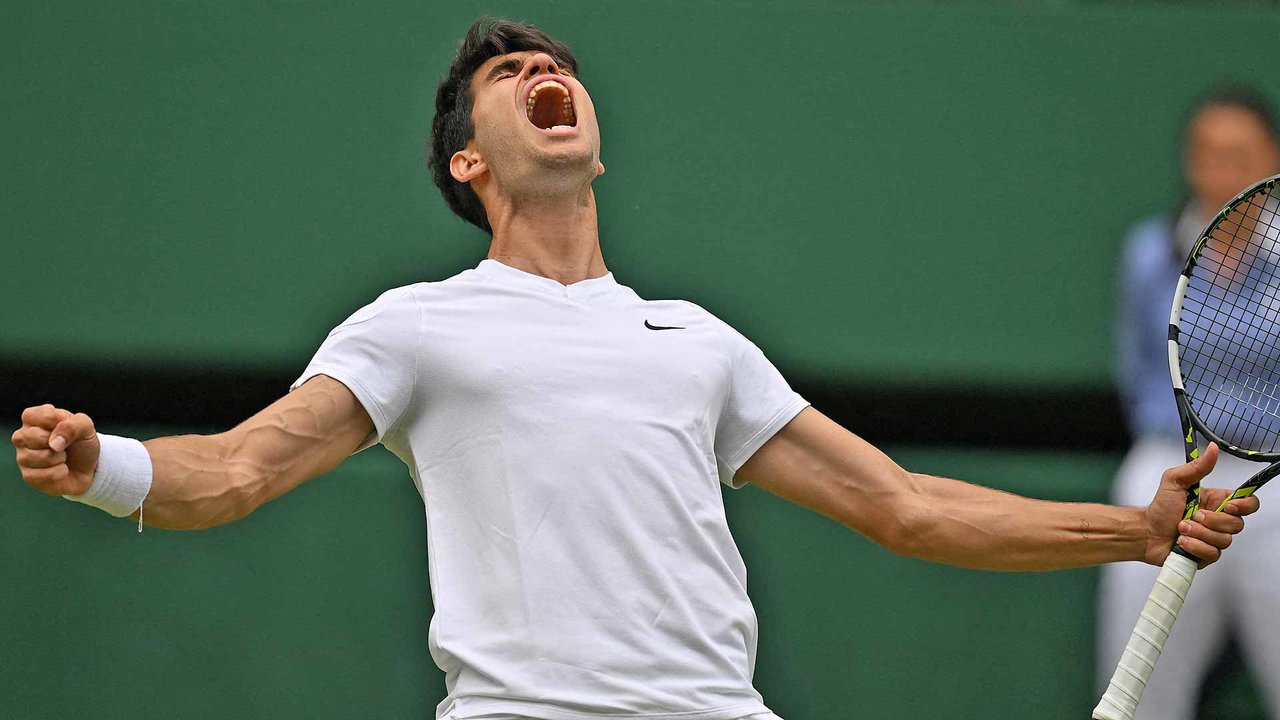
(1149, 269)
(1234, 374)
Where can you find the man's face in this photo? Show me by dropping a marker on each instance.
(534, 122)
(1227, 150)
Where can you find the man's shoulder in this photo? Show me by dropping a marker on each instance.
(405, 302)
(427, 290)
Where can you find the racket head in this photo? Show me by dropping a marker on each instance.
(1224, 328)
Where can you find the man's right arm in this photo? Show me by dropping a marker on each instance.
(200, 481)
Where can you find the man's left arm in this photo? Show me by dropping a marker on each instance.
(814, 462)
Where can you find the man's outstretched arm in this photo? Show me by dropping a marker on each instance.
(199, 481)
(816, 463)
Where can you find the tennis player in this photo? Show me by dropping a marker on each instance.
(568, 437)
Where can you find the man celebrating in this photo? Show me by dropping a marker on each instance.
(568, 439)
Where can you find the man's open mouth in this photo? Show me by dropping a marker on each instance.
(550, 106)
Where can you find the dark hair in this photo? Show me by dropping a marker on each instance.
(452, 129)
(1241, 97)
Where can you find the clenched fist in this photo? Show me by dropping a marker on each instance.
(57, 450)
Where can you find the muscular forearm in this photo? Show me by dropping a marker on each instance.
(816, 463)
(202, 481)
(973, 526)
(197, 483)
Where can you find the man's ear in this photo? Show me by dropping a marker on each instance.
(599, 168)
(467, 165)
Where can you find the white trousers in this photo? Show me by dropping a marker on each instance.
(1240, 594)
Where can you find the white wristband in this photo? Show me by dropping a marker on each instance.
(123, 477)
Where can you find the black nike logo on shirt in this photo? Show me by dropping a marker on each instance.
(661, 327)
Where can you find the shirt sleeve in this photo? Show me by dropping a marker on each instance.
(758, 403)
(374, 353)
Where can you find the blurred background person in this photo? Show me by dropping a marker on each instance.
(1230, 140)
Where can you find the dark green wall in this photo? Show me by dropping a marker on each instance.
(869, 190)
(317, 606)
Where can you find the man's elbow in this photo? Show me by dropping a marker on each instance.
(898, 518)
(905, 528)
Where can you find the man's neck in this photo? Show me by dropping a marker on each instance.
(555, 238)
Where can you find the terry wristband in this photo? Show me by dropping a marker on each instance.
(122, 479)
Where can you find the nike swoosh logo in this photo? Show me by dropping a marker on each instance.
(661, 327)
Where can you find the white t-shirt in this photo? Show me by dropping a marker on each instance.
(568, 451)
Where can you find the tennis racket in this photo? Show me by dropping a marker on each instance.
(1224, 359)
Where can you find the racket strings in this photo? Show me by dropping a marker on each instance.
(1239, 355)
(1244, 245)
(1234, 358)
(1230, 337)
(1237, 366)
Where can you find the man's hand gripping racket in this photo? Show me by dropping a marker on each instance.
(1224, 360)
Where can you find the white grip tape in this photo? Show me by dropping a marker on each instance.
(1124, 691)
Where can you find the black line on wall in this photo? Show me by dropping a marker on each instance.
(195, 396)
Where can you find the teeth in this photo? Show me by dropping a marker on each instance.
(545, 84)
(533, 92)
(566, 107)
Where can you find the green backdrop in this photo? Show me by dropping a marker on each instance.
(908, 191)
(867, 189)
(317, 606)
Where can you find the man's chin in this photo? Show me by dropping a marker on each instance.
(565, 155)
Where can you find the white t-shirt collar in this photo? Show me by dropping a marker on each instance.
(514, 277)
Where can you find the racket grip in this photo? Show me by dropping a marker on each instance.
(1124, 691)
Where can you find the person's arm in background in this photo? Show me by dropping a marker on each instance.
(199, 481)
(814, 462)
